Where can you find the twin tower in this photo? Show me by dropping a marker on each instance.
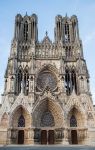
(66, 29)
(47, 97)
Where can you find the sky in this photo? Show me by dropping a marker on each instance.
(46, 11)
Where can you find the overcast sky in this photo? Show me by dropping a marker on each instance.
(46, 11)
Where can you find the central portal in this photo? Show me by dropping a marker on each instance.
(47, 137)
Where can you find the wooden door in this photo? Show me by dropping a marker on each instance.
(51, 137)
(21, 137)
(43, 137)
(74, 137)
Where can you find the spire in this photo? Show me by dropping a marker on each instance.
(26, 14)
(46, 33)
(66, 15)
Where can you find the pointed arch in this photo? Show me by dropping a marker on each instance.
(22, 80)
(67, 81)
(67, 32)
(75, 118)
(26, 80)
(19, 77)
(4, 120)
(46, 106)
(75, 108)
(74, 80)
(48, 67)
(25, 30)
(20, 113)
(71, 80)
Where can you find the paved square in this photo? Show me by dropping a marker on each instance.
(55, 147)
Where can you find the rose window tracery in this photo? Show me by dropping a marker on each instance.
(47, 119)
(46, 79)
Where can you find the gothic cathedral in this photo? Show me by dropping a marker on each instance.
(46, 97)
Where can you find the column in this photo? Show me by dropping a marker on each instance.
(65, 139)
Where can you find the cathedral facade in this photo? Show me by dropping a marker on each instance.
(47, 98)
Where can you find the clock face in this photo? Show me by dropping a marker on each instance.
(45, 79)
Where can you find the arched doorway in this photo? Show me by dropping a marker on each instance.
(47, 120)
(43, 137)
(47, 116)
(51, 137)
(4, 120)
(21, 137)
(75, 123)
(47, 137)
(20, 122)
(74, 139)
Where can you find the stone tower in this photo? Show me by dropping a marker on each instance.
(46, 97)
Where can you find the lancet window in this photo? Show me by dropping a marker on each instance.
(70, 81)
(67, 34)
(26, 31)
(19, 80)
(59, 29)
(33, 26)
(22, 81)
(26, 82)
(21, 121)
(73, 121)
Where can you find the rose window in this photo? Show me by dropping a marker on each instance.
(46, 79)
(47, 119)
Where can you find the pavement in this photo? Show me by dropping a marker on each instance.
(44, 147)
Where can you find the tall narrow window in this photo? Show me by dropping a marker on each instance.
(67, 82)
(74, 84)
(22, 82)
(73, 121)
(21, 121)
(26, 31)
(67, 35)
(33, 29)
(26, 82)
(70, 81)
(19, 80)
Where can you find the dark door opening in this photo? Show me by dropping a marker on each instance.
(51, 137)
(43, 137)
(47, 137)
(21, 137)
(74, 137)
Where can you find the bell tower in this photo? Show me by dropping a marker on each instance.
(26, 28)
(66, 29)
(47, 98)
(21, 55)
